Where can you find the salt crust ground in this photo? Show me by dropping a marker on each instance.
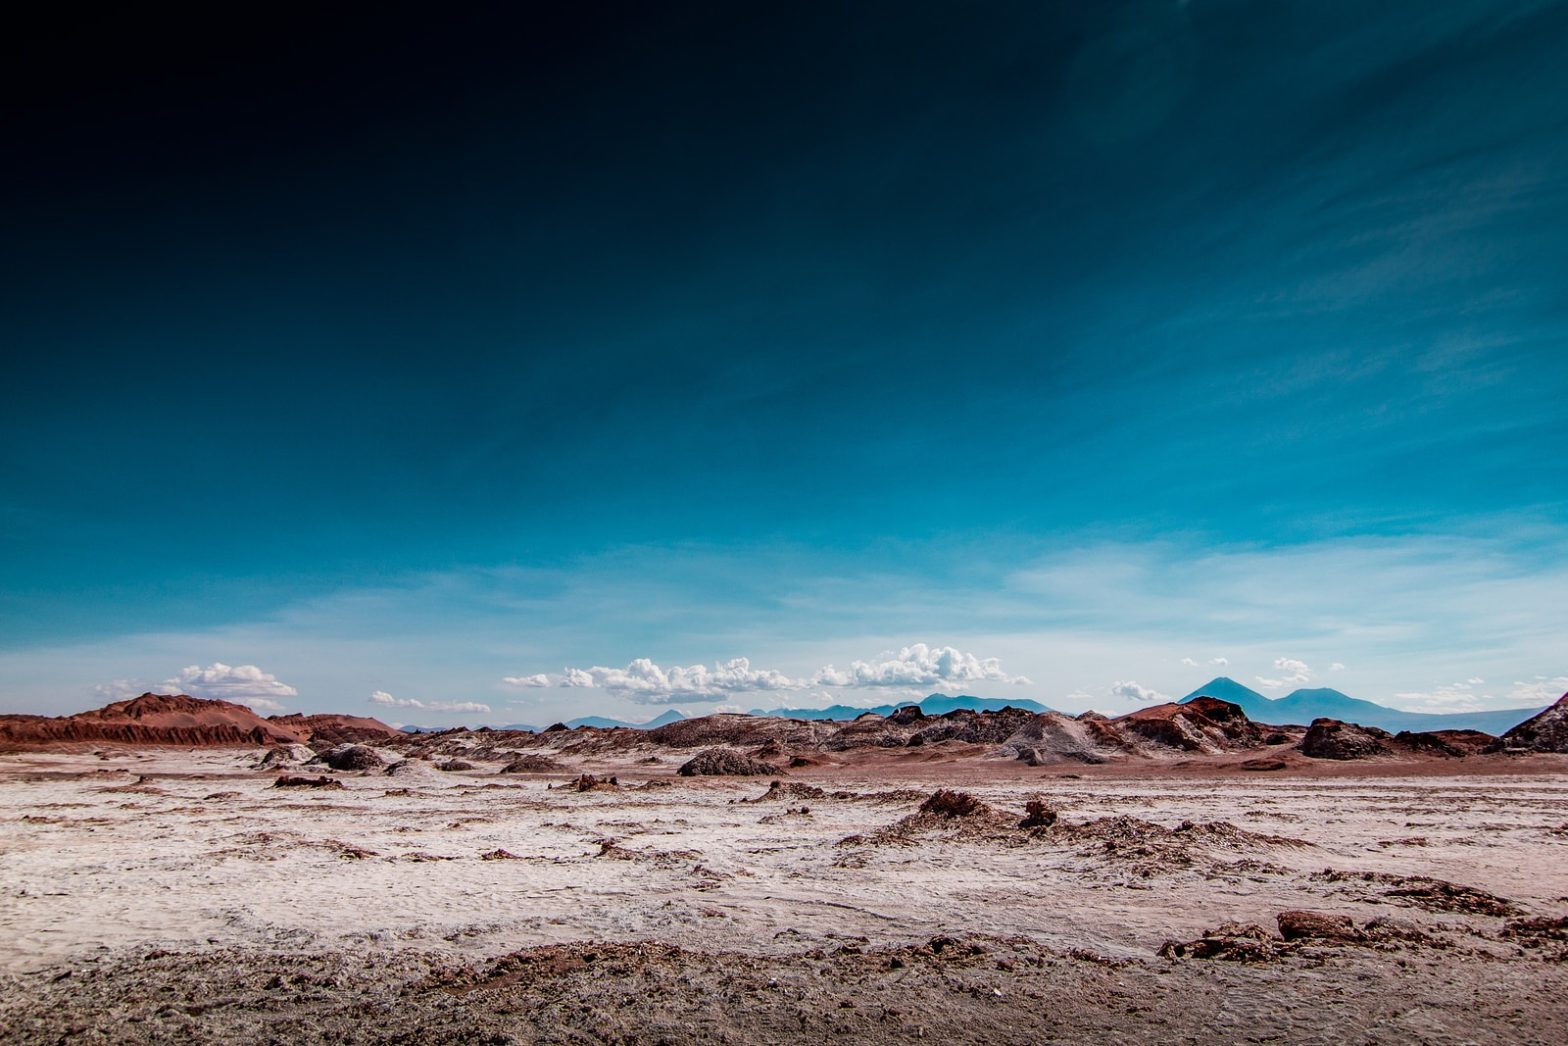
(178, 896)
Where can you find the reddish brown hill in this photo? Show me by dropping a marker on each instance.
(160, 719)
(334, 729)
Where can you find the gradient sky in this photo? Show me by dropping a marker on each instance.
(1107, 347)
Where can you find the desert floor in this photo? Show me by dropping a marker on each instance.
(172, 896)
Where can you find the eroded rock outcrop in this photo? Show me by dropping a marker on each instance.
(1546, 732)
(1332, 739)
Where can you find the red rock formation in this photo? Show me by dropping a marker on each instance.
(161, 719)
(334, 729)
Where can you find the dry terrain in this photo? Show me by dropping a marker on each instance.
(173, 895)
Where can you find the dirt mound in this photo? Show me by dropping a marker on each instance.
(1037, 814)
(725, 761)
(499, 855)
(1333, 739)
(285, 756)
(590, 783)
(1228, 942)
(784, 791)
(1452, 744)
(532, 764)
(352, 758)
(947, 803)
(1248, 942)
(1264, 764)
(1546, 732)
(1436, 895)
(1299, 925)
(945, 814)
(307, 782)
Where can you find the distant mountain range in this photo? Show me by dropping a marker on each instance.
(602, 722)
(934, 704)
(1303, 706)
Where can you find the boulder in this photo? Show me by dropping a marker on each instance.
(725, 761)
(1333, 739)
(352, 757)
(1300, 925)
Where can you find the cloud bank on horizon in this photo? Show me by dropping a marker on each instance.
(912, 667)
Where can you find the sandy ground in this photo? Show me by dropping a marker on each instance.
(178, 896)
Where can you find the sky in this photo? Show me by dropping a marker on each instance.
(507, 366)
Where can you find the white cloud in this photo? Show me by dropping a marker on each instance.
(1130, 690)
(1189, 662)
(386, 700)
(645, 681)
(1444, 697)
(917, 665)
(1295, 672)
(241, 684)
(119, 690)
(1539, 691)
(1220, 661)
(1336, 667)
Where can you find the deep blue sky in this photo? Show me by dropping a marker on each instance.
(409, 352)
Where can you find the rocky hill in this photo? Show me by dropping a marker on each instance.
(1547, 732)
(178, 719)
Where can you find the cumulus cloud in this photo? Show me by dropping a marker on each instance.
(1219, 662)
(1294, 672)
(1189, 662)
(386, 700)
(917, 665)
(1131, 690)
(229, 682)
(1336, 667)
(242, 684)
(645, 681)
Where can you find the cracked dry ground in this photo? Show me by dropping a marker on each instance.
(181, 898)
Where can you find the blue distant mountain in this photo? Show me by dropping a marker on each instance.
(603, 723)
(1303, 706)
(935, 704)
